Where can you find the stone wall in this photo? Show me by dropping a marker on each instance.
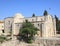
(39, 42)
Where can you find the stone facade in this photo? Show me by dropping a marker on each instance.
(45, 24)
(46, 35)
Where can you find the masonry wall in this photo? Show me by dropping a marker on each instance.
(8, 25)
(43, 23)
(48, 27)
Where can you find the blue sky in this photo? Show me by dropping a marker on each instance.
(27, 7)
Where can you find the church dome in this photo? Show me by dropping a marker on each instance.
(18, 15)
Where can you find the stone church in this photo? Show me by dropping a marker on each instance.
(46, 35)
(46, 24)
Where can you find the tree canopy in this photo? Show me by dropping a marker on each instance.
(57, 24)
(2, 38)
(33, 15)
(27, 31)
(45, 13)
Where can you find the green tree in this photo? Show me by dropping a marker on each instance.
(27, 31)
(33, 15)
(57, 24)
(2, 38)
(45, 13)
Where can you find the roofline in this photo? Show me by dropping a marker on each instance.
(28, 17)
(24, 17)
(8, 17)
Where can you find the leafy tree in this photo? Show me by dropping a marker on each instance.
(45, 13)
(33, 15)
(27, 31)
(2, 38)
(57, 24)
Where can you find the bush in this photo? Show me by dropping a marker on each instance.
(2, 38)
(29, 41)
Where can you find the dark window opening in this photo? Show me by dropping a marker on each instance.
(33, 24)
(3, 31)
(38, 24)
(9, 22)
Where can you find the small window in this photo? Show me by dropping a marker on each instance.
(3, 31)
(38, 24)
(9, 22)
(17, 24)
(32, 19)
(33, 24)
(41, 19)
